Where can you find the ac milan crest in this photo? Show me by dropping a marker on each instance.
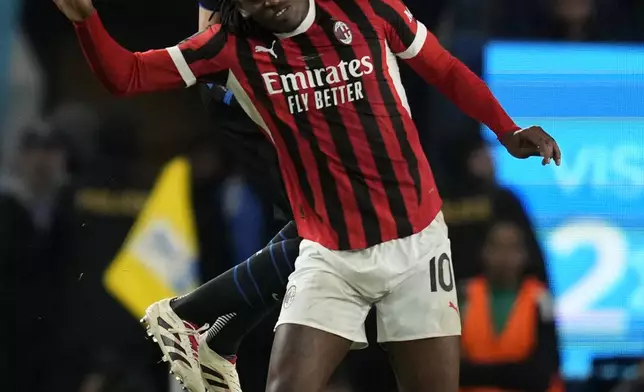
(289, 297)
(342, 32)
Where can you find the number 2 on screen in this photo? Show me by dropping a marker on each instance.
(609, 266)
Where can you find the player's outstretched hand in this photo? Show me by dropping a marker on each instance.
(75, 10)
(532, 142)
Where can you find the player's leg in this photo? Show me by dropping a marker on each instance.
(253, 288)
(418, 321)
(426, 365)
(253, 284)
(304, 358)
(321, 316)
(218, 348)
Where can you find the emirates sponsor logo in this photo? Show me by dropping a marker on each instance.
(332, 85)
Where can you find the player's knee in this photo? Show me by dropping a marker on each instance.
(289, 373)
(282, 374)
(303, 358)
(418, 370)
(285, 380)
(279, 384)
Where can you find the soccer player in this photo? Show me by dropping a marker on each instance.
(321, 80)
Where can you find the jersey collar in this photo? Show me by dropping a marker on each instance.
(305, 25)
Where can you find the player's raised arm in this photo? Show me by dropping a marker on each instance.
(125, 73)
(409, 39)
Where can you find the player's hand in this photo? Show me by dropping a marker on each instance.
(75, 10)
(532, 142)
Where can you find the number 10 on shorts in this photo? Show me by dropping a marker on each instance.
(440, 273)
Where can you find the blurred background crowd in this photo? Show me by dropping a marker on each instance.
(77, 167)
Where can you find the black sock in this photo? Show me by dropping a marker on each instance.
(228, 332)
(226, 335)
(251, 286)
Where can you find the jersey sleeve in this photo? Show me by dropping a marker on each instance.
(405, 35)
(125, 73)
(409, 40)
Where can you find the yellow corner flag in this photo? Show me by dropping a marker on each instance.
(159, 257)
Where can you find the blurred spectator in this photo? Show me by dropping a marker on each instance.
(118, 375)
(473, 199)
(566, 20)
(7, 12)
(80, 123)
(230, 217)
(574, 20)
(29, 268)
(509, 340)
(586, 20)
(615, 373)
(39, 171)
(100, 205)
(635, 384)
(24, 96)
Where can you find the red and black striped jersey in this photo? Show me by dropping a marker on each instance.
(330, 98)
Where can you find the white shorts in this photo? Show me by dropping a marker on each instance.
(409, 280)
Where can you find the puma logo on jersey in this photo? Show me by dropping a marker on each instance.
(451, 305)
(263, 49)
